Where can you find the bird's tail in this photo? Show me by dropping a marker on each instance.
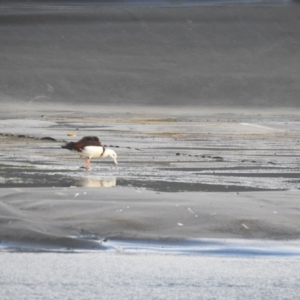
(70, 146)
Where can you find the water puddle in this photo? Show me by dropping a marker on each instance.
(43, 178)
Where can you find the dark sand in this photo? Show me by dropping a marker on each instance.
(80, 217)
(193, 99)
(220, 55)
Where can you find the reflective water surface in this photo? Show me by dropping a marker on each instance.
(146, 276)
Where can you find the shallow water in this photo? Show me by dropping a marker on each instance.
(20, 178)
(146, 276)
(210, 247)
(155, 153)
(202, 247)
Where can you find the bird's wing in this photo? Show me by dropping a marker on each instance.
(87, 141)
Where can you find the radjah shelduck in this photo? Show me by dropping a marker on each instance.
(90, 147)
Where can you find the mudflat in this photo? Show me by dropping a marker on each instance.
(215, 176)
(200, 103)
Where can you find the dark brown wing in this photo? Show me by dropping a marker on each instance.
(85, 141)
(88, 141)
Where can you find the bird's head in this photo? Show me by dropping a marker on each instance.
(112, 154)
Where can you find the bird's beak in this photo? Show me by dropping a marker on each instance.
(115, 161)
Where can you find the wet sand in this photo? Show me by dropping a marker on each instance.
(218, 176)
(200, 103)
(213, 151)
(82, 218)
(185, 55)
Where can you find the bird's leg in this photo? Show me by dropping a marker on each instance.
(87, 164)
(86, 160)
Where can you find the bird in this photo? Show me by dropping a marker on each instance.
(90, 147)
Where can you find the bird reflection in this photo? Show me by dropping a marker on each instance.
(89, 182)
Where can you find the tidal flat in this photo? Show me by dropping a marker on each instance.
(224, 176)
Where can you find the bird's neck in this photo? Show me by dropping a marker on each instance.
(103, 152)
(106, 152)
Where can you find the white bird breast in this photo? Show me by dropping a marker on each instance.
(92, 151)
